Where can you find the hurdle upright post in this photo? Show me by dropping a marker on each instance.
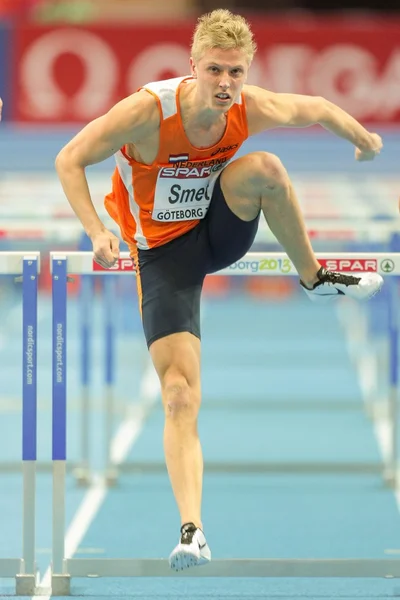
(26, 581)
(393, 325)
(60, 580)
(82, 472)
(108, 284)
(29, 415)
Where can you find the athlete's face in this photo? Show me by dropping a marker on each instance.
(220, 76)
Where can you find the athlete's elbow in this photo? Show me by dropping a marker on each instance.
(60, 161)
(66, 160)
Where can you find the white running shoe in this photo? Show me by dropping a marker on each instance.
(192, 549)
(332, 284)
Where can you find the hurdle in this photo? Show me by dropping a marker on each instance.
(256, 264)
(383, 234)
(26, 267)
(329, 231)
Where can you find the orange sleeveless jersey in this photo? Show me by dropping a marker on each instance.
(154, 204)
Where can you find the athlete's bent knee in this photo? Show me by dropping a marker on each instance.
(180, 399)
(265, 170)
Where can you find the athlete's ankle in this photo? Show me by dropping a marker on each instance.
(196, 522)
(309, 279)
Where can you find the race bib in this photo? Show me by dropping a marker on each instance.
(183, 192)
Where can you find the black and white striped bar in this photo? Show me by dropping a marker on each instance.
(253, 263)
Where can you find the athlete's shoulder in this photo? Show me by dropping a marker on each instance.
(261, 108)
(165, 85)
(165, 91)
(255, 95)
(137, 114)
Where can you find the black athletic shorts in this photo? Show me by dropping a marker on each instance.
(171, 276)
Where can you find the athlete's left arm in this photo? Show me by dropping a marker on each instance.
(267, 110)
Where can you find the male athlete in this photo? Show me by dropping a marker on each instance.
(187, 208)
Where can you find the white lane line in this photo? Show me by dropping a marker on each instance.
(149, 392)
(126, 435)
(352, 320)
(80, 524)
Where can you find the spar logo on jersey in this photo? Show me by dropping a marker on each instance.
(364, 265)
(185, 172)
(193, 170)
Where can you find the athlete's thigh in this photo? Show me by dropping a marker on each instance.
(170, 279)
(240, 185)
(230, 236)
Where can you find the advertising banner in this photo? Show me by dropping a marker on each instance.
(74, 74)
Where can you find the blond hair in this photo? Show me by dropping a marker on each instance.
(222, 29)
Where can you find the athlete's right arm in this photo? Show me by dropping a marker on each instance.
(132, 120)
(1, 106)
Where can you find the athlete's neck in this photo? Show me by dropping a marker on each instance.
(196, 114)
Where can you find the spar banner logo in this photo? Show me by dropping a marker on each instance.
(387, 265)
(122, 264)
(349, 264)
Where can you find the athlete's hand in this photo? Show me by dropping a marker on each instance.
(105, 248)
(370, 153)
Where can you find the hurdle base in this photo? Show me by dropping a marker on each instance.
(61, 585)
(25, 585)
(82, 476)
(111, 476)
(391, 478)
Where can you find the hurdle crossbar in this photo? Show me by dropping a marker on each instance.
(260, 567)
(269, 264)
(253, 263)
(26, 266)
(243, 568)
(262, 467)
